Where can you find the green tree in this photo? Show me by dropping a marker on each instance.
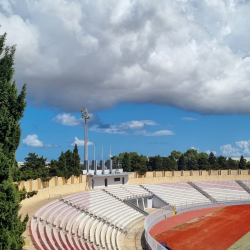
(76, 162)
(192, 159)
(242, 163)
(222, 162)
(212, 159)
(203, 161)
(182, 162)
(35, 167)
(232, 164)
(176, 154)
(126, 163)
(12, 106)
(155, 162)
(62, 164)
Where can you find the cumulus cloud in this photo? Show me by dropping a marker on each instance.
(242, 148)
(193, 55)
(80, 143)
(67, 119)
(33, 141)
(228, 150)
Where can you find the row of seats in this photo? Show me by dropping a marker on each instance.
(177, 194)
(223, 190)
(127, 192)
(88, 220)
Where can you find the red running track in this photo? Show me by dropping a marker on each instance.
(217, 230)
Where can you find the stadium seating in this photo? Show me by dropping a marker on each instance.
(127, 192)
(89, 220)
(247, 183)
(177, 193)
(223, 190)
(96, 219)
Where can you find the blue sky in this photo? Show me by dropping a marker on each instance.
(187, 130)
(157, 76)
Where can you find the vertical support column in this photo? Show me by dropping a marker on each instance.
(86, 166)
(56, 180)
(172, 173)
(31, 185)
(102, 166)
(191, 173)
(94, 166)
(72, 179)
(110, 166)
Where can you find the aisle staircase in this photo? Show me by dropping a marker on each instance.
(202, 191)
(244, 186)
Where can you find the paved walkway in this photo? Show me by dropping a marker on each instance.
(134, 239)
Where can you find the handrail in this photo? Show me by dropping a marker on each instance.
(162, 213)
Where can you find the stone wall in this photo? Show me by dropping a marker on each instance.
(59, 186)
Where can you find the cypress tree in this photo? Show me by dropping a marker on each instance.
(76, 161)
(12, 106)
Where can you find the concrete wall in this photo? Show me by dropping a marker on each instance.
(57, 186)
(183, 176)
(99, 182)
(60, 186)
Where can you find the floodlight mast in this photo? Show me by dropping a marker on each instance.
(86, 117)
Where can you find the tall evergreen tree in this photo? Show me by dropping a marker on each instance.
(242, 163)
(76, 162)
(12, 106)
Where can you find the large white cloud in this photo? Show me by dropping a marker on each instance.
(242, 148)
(190, 54)
(33, 141)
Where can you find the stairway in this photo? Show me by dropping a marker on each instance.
(135, 207)
(202, 192)
(167, 204)
(128, 203)
(244, 186)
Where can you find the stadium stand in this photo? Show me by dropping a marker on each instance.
(176, 193)
(90, 220)
(96, 219)
(127, 192)
(223, 190)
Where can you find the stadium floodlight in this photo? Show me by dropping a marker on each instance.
(86, 117)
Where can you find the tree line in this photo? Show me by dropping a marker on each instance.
(35, 167)
(177, 161)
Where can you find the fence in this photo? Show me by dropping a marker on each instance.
(160, 214)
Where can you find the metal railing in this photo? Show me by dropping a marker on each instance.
(162, 213)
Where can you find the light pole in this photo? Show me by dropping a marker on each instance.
(86, 117)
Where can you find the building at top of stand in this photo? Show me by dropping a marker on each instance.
(102, 177)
